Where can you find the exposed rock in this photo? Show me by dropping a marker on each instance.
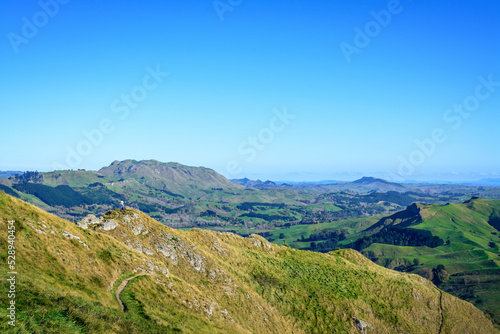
(36, 229)
(138, 247)
(255, 242)
(138, 229)
(88, 220)
(209, 308)
(259, 241)
(168, 251)
(218, 247)
(195, 260)
(126, 219)
(164, 271)
(225, 314)
(196, 303)
(362, 326)
(109, 224)
(71, 236)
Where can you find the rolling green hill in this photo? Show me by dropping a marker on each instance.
(469, 247)
(204, 282)
(176, 194)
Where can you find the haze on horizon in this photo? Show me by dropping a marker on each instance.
(403, 90)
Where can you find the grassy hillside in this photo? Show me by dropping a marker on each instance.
(469, 253)
(205, 282)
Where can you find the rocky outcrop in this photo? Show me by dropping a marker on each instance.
(195, 260)
(138, 229)
(109, 224)
(167, 249)
(88, 221)
(362, 326)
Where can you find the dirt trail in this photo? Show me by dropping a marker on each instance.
(441, 310)
(120, 289)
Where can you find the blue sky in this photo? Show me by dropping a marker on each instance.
(282, 90)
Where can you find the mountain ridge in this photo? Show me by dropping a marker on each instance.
(207, 282)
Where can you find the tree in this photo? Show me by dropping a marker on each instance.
(282, 236)
(416, 262)
(426, 273)
(440, 274)
(313, 245)
(491, 244)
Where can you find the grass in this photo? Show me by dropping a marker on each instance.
(469, 234)
(295, 232)
(221, 283)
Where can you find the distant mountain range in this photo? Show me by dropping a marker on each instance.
(256, 184)
(186, 196)
(369, 184)
(7, 174)
(365, 184)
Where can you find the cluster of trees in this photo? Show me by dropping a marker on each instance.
(61, 195)
(325, 246)
(34, 177)
(169, 193)
(437, 275)
(399, 237)
(8, 191)
(326, 234)
(246, 206)
(97, 193)
(349, 200)
(267, 217)
(328, 216)
(402, 199)
(208, 213)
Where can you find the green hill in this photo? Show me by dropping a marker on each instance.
(178, 195)
(204, 282)
(468, 247)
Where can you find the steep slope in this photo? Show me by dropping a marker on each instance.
(462, 237)
(205, 282)
(465, 227)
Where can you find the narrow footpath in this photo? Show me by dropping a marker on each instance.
(120, 289)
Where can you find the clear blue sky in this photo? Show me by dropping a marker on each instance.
(359, 101)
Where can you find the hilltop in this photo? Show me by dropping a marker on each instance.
(257, 183)
(369, 184)
(173, 177)
(206, 282)
(464, 238)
